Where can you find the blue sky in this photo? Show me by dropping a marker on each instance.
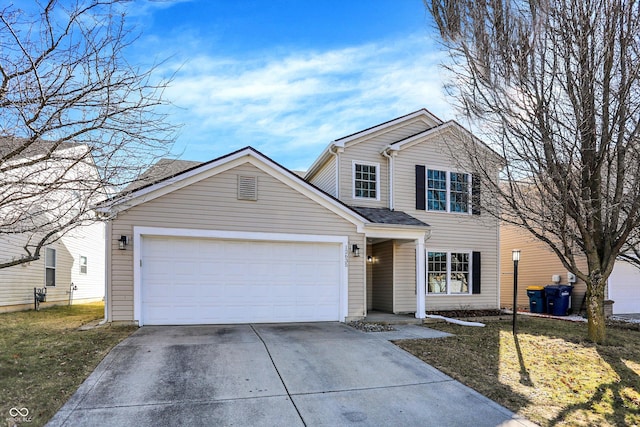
(286, 76)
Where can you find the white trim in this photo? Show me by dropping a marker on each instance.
(448, 173)
(353, 179)
(54, 267)
(227, 163)
(139, 232)
(421, 275)
(420, 113)
(469, 252)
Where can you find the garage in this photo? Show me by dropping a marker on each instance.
(187, 280)
(624, 288)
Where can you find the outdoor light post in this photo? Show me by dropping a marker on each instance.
(515, 254)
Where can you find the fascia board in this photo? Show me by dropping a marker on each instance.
(395, 231)
(449, 126)
(225, 164)
(349, 140)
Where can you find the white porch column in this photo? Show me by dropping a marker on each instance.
(420, 279)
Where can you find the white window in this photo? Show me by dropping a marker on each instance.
(366, 180)
(83, 264)
(448, 273)
(448, 191)
(50, 267)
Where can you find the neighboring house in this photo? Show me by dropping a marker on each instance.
(385, 219)
(538, 264)
(72, 267)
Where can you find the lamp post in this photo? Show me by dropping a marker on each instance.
(515, 255)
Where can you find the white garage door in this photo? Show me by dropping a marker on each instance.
(624, 288)
(209, 281)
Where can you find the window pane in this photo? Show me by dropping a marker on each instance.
(50, 277)
(83, 264)
(459, 192)
(437, 272)
(365, 181)
(436, 190)
(459, 273)
(50, 257)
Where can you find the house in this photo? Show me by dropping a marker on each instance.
(385, 219)
(539, 266)
(71, 265)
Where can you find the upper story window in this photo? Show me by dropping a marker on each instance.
(436, 190)
(448, 191)
(50, 267)
(459, 192)
(83, 264)
(366, 179)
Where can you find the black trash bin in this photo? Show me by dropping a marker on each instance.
(537, 301)
(558, 299)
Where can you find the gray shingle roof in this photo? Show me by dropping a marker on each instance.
(163, 168)
(387, 216)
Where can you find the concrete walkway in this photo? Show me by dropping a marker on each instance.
(314, 374)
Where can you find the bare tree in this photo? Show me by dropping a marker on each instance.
(76, 119)
(554, 86)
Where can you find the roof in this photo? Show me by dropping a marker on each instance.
(387, 216)
(28, 147)
(162, 169)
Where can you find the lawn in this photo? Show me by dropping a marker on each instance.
(44, 358)
(550, 374)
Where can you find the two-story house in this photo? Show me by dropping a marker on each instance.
(385, 219)
(40, 193)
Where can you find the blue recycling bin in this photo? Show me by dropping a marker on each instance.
(537, 300)
(558, 299)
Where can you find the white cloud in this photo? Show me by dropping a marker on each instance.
(291, 105)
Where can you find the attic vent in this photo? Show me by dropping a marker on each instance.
(247, 187)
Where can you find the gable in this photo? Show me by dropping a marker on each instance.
(289, 184)
(377, 138)
(214, 203)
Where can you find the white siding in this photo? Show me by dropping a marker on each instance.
(17, 283)
(212, 204)
(325, 179)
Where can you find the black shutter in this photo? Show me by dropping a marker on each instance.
(421, 203)
(475, 194)
(475, 274)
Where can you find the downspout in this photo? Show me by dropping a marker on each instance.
(390, 154)
(335, 151)
(107, 272)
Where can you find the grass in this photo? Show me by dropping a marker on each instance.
(44, 358)
(550, 374)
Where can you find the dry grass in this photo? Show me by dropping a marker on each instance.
(44, 358)
(550, 374)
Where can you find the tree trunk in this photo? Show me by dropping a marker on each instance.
(595, 311)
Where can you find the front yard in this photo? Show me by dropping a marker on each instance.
(550, 374)
(44, 358)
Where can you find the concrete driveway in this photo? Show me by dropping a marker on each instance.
(308, 374)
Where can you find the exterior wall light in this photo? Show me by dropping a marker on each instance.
(123, 242)
(370, 259)
(356, 250)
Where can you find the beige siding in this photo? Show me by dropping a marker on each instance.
(449, 231)
(212, 204)
(325, 179)
(383, 276)
(536, 266)
(368, 149)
